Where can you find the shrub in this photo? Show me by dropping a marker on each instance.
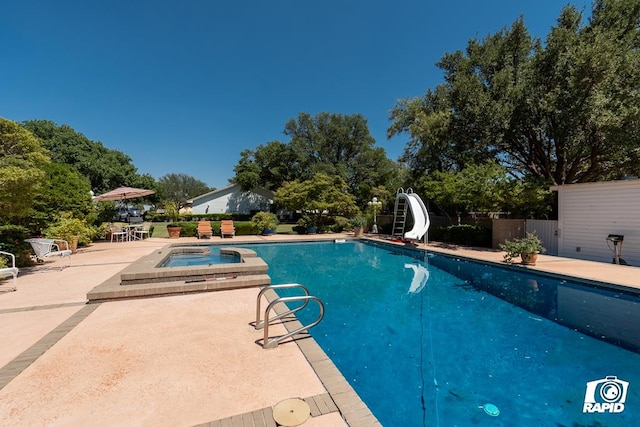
(66, 226)
(189, 229)
(264, 220)
(466, 235)
(243, 228)
(358, 221)
(12, 240)
(164, 217)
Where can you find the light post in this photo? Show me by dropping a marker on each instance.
(374, 203)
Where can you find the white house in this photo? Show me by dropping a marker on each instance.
(588, 213)
(232, 199)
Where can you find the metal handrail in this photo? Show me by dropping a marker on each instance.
(273, 343)
(260, 323)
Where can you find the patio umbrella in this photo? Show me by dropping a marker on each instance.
(122, 193)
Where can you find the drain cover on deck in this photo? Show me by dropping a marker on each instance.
(291, 412)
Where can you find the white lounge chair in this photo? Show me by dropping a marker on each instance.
(48, 248)
(9, 271)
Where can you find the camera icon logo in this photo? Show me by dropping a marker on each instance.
(606, 395)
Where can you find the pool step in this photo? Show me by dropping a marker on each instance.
(112, 289)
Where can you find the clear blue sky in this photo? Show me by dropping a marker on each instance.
(185, 86)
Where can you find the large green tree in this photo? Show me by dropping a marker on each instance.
(564, 111)
(106, 169)
(22, 159)
(64, 190)
(483, 189)
(176, 188)
(332, 144)
(321, 195)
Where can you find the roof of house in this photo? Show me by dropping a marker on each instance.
(212, 194)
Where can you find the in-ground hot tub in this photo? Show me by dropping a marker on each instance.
(148, 277)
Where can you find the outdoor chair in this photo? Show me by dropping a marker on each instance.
(9, 271)
(227, 228)
(204, 229)
(48, 248)
(140, 232)
(118, 233)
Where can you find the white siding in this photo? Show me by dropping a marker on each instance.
(547, 231)
(232, 200)
(588, 213)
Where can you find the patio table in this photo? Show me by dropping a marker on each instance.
(131, 228)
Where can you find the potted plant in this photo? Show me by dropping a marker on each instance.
(358, 223)
(173, 228)
(307, 225)
(265, 223)
(72, 230)
(527, 248)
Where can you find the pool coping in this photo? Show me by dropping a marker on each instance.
(354, 411)
(510, 266)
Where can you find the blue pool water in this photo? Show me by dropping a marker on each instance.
(432, 342)
(214, 257)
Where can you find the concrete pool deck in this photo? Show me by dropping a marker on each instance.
(179, 360)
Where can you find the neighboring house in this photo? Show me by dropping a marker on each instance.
(588, 213)
(232, 199)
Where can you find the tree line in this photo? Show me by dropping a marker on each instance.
(513, 115)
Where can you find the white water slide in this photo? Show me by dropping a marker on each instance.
(420, 216)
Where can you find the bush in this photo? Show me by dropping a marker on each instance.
(243, 228)
(67, 226)
(358, 221)
(264, 220)
(165, 217)
(12, 240)
(466, 235)
(189, 229)
(340, 224)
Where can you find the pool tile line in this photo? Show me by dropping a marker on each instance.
(21, 362)
(41, 307)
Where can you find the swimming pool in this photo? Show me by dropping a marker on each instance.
(431, 340)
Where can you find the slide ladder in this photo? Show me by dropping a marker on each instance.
(409, 201)
(264, 323)
(400, 215)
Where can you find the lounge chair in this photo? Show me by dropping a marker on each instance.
(204, 229)
(9, 271)
(140, 232)
(227, 228)
(48, 248)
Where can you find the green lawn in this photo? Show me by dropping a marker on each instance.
(159, 229)
(285, 229)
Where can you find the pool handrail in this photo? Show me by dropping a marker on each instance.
(260, 323)
(273, 343)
